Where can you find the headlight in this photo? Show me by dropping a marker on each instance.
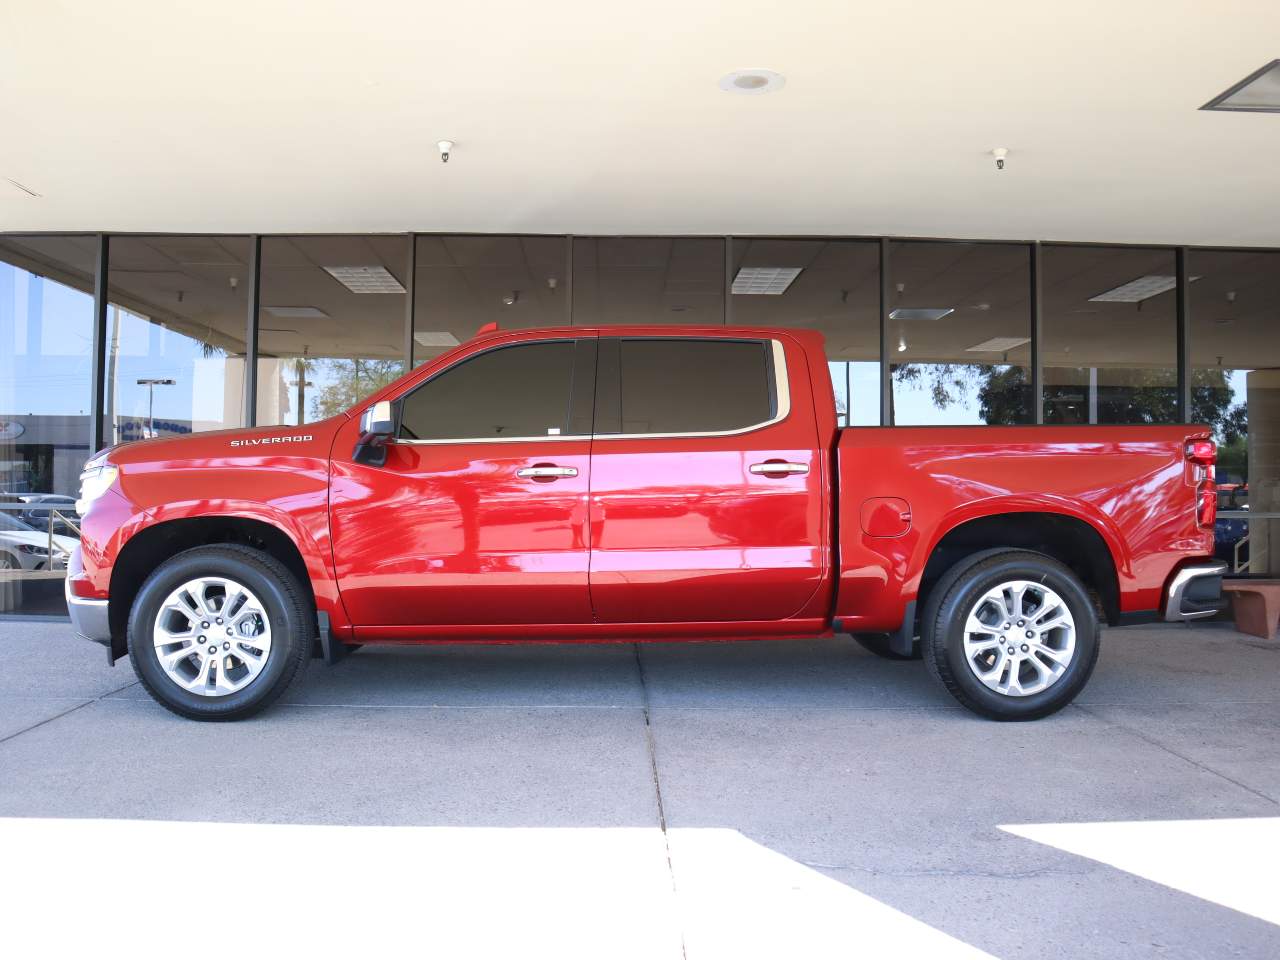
(94, 482)
(33, 550)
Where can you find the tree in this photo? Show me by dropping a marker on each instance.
(347, 382)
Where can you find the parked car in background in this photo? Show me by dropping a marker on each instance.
(638, 483)
(1230, 534)
(42, 507)
(22, 547)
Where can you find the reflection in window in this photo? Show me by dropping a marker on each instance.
(832, 286)
(331, 324)
(648, 280)
(465, 282)
(176, 323)
(1235, 389)
(1109, 335)
(959, 331)
(46, 334)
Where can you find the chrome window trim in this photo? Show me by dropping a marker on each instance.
(781, 391)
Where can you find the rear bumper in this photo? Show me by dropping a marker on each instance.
(89, 617)
(1195, 592)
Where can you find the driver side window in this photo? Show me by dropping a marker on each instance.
(521, 391)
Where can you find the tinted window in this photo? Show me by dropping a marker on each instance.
(520, 391)
(689, 386)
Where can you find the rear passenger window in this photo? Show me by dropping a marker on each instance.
(686, 386)
(510, 392)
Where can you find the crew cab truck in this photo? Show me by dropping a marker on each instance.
(637, 483)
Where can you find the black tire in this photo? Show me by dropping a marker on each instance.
(293, 629)
(947, 609)
(878, 643)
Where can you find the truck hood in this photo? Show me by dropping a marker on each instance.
(312, 439)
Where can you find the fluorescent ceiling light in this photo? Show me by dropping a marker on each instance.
(998, 345)
(764, 280)
(297, 313)
(1257, 93)
(920, 313)
(1135, 291)
(438, 338)
(366, 279)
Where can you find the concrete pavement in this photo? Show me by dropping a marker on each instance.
(661, 800)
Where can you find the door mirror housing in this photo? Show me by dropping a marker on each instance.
(378, 420)
(377, 426)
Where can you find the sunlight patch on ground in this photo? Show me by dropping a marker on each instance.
(1233, 863)
(218, 889)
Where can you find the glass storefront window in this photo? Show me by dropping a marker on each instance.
(959, 332)
(648, 280)
(1235, 388)
(176, 326)
(464, 282)
(331, 323)
(827, 285)
(1109, 327)
(46, 338)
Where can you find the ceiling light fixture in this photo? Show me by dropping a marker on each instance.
(1142, 288)
(926, 314)
(1257, 93)
(435, 338)
(902, 344)
(445, 147)
(1000, 153)
(997, 345)
(297, 313)
(764, 281)
(366, 279)
(752, 82)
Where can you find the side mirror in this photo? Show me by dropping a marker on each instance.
(377, 426)
(377, 421)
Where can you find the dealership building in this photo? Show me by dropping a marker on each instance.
(1051, 224)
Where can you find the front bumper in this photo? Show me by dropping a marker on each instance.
(1195, 592)
(89, 617)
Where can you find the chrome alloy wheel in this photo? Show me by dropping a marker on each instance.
(1019, 638)
(212, 636)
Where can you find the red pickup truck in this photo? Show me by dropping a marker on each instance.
(637, 483)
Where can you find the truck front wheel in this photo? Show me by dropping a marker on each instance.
(1013, 635)
(219, 632)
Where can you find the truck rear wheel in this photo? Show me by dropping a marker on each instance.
(1013, 635)
(219, 632)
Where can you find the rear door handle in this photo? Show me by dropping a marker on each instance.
(778, 467)
(547, 472)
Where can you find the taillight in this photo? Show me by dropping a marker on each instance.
(1204, 453)
(1207, 504)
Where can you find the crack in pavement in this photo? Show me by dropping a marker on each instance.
(58, 716)
(1181, 756)
(657, 785)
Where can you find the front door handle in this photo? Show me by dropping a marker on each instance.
(778, 468)
(547, 471)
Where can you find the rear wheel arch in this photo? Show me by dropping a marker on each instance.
(1073, 542)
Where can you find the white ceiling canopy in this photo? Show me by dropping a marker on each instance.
(324, 117)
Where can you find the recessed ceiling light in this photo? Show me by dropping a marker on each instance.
(771, 281)
(436, 338)
(998, 345)
(297, 313)
(1135, 291)
(920, 313)
(1257, 93)
(752, 81)
(366, 279)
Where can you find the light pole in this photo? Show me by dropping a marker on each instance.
(151, 385)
